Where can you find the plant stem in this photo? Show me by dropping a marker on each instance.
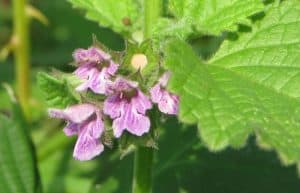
(21, 53)
(142, 181)
(142, 175)
(152, 10)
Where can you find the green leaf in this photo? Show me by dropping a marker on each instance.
(250, 86)
(121, 16)
(18, 170)
(206, 17)
(58, 92)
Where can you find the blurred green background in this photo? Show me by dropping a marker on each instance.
(182, 163)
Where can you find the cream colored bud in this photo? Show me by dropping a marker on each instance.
(139, 61)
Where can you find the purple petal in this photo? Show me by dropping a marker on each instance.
(127, 111)
(83, 86)
(113, 106)
(58, 113)
(86, 121)
(141, 102)
(83, 71)
(71, 129)
(94, 127)
(95, 77)
(163, 81)
(97, 54)
(88, 143)
(100, 83)
(87, 147)
(119, 127)
(92, 54)
(169, 104)
(156, 93)
(139, 125)
(126, 115)
(75, 114)
(79, 113)
(121, 84)
(96, 81)
(112, 68)
(80, 55)
(132, 121)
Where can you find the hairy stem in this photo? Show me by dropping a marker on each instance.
(21, 53)
(142, 181)
(142, 175)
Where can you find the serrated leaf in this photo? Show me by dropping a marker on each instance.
(167, 28)
(58, 93)
(121, 16)
(18, 169)
(250, 86)
(206, 17)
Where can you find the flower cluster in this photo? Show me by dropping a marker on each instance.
(125, 103)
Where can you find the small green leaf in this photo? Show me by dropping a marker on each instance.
(58, 92)
(250, 86)
(121, 16)
(18, 172)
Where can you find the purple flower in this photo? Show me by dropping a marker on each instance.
(95, 69)
(127, 106)
(167, 102)
(84, 120)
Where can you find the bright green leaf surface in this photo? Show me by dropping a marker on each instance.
(121, 16)
(214, 16)
(207, 16)
(17, 164)
(58, 93)
(251, 85)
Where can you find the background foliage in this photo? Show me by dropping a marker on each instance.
(261, 51)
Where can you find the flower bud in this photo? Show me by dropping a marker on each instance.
(139, 61)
